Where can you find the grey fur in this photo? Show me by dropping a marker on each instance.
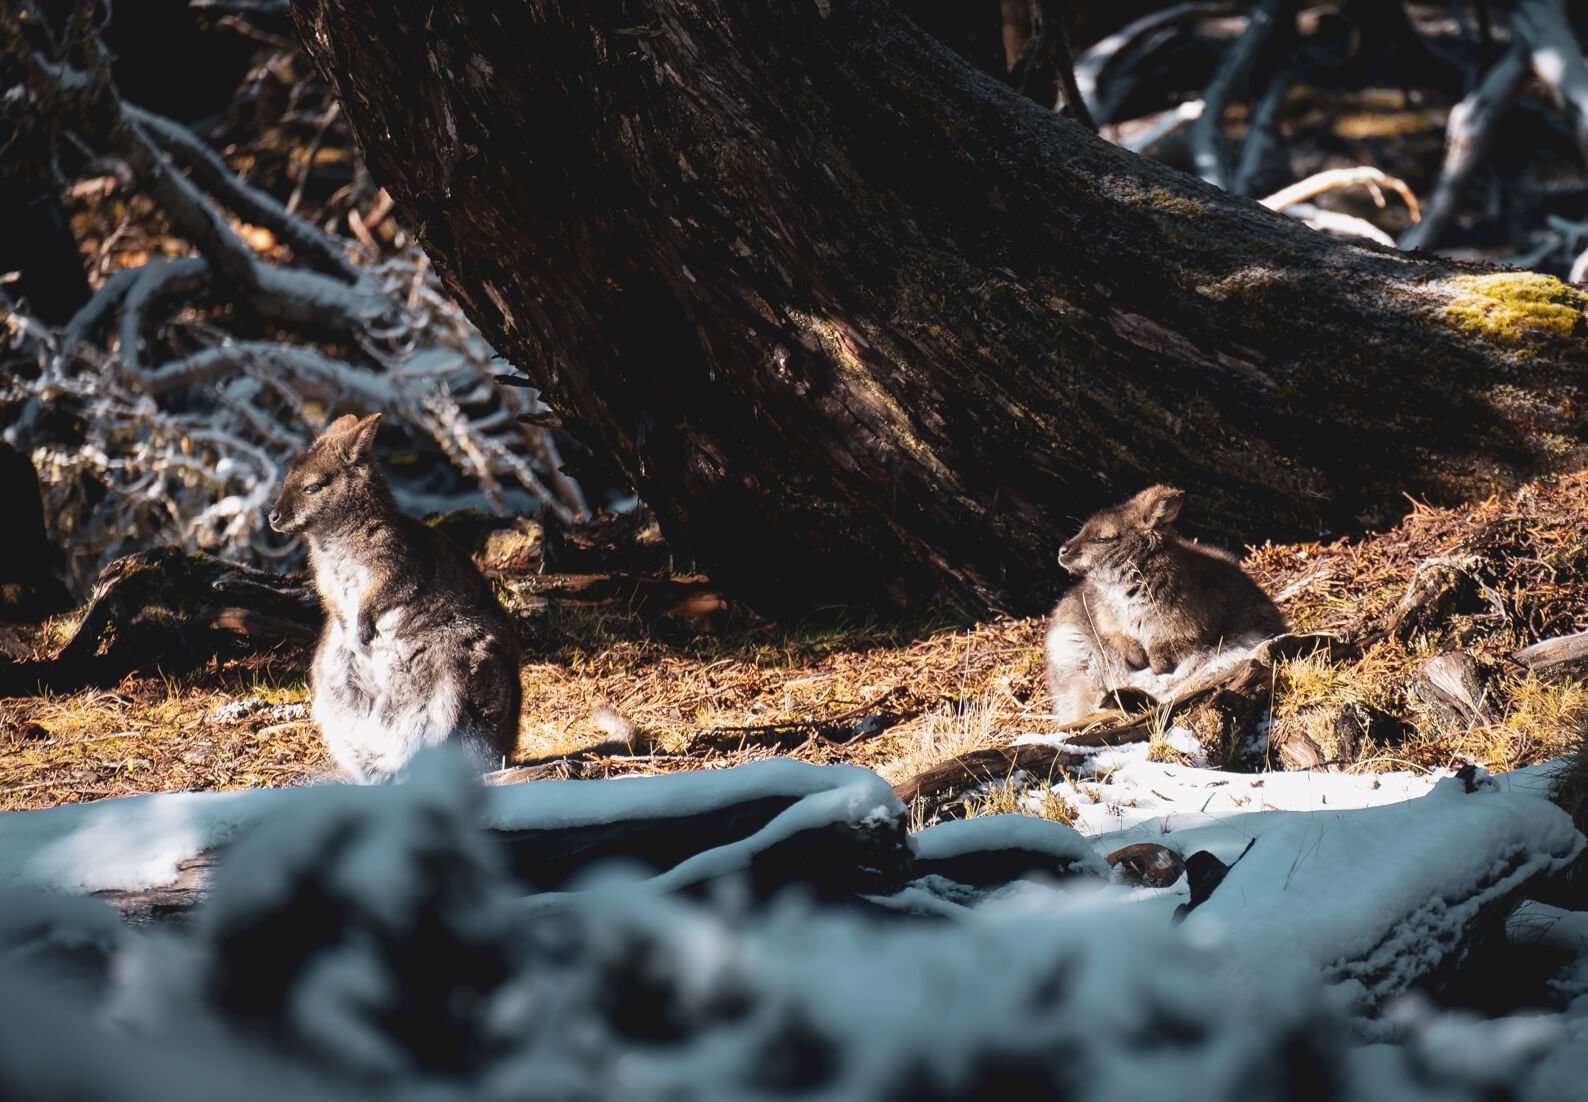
(1152, 609)
(416, 649)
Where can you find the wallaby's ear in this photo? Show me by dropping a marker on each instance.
(354, 435)
(361, 441)
(1159, 506)
(343, 426)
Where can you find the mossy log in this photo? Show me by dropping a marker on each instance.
(863, 326)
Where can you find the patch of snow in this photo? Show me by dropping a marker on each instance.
(1120, 795)
(347, 920)
(234, 710)
(1377, 895)
(130, 843)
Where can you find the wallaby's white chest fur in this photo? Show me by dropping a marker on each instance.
(1127, 607)
(343, 581)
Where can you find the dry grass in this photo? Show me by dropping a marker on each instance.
(819, 695)
(154, 735)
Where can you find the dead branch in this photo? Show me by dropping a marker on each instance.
(156, 279)
(1262, 132)
(1270, 23)
(1468, 135)
(1563, 650)
(256, 207)
(1319, 182)
(190, 448)
(1098, 71)
(1169, 122)
(1339, 224)
(988, 765)
(1054, 40)
(1542, 27)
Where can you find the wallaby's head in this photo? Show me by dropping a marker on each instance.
(1119, 536)
(333, 482)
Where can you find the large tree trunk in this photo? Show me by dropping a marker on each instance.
(865, 326)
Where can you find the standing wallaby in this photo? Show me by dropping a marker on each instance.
(1152, 609)
(416, 650)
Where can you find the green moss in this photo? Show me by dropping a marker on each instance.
(1515, 308)
(1166, 200)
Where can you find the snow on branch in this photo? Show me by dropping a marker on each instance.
(182, 427)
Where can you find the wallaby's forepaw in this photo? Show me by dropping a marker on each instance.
(366, 629)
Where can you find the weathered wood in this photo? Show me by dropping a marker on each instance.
(1148, 863)
(994, 763)
(175, 900)
(1440, 588)
(1562, 650)
(863, 326)
(1451, 685)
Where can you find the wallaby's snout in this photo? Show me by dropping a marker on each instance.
(1066, 552)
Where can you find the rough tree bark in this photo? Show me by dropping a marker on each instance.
(864, 326)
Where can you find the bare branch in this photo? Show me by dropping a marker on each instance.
(1467, 138)
(1261, 132)
(250, 204)
(1556, 59)
(1340, 225)
(1320, 182)
(1101, 63)
(156, 278)
(1270, 21)
(1170, 121)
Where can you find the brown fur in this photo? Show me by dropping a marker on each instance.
(1152, 608)
(416, 649)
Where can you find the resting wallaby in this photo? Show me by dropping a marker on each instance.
(1152, 609)
(416, 650)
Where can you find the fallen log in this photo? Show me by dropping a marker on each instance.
(994, 850)
(994, 763)
(170, 610)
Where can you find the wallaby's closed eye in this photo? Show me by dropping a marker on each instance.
(416, 650)
(1152, 609)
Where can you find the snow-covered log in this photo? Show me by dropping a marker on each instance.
(364, 943)
(838, 830)
(1380, 899)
